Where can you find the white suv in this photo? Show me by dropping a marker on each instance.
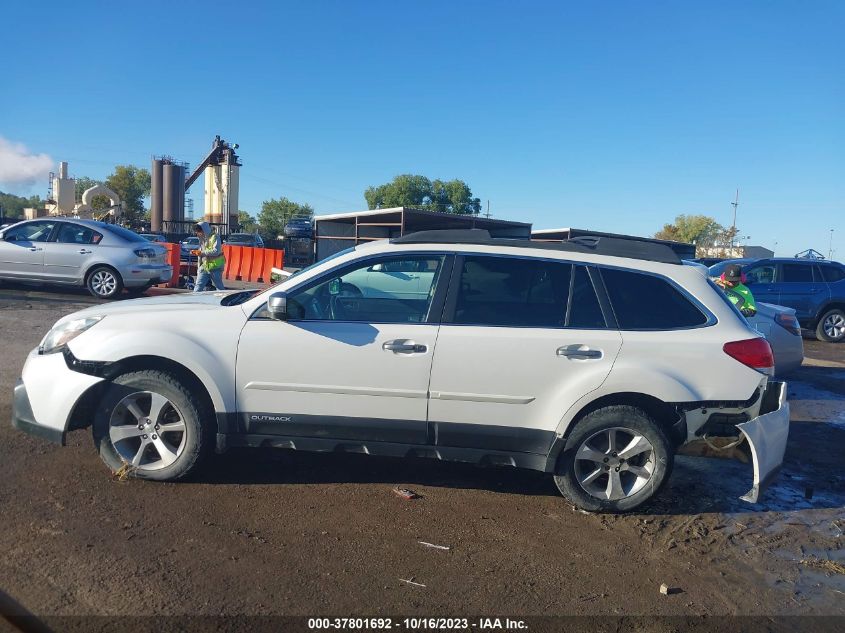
(595, 361)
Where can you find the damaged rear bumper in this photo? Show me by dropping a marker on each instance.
(766, 435)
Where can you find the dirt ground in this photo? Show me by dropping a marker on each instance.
(273, 532)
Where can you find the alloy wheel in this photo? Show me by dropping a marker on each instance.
(834, 326)
(103, 282)
(147, 430)
(614, 463)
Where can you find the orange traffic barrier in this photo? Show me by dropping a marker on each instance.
(234, 258)
(174, 252)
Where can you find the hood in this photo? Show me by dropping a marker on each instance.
(205, 226)
(188, 301)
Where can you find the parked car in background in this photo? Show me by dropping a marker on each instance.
(154, 237)
(105, 258)
(780, 327)
(244, 239)
(708, 261)
(815, 289)
(187, 245)
(443, 344)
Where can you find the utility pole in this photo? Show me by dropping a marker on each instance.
(830, 248)
(488, 209)
(734, 204)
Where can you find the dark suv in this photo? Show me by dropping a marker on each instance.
(814, 288)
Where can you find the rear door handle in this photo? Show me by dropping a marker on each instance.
(84, 251)
(35, 248)
(579, 352)
(402, 346)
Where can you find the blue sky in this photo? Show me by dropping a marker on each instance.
(614, 116)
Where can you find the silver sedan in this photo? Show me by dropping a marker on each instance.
(102, 257)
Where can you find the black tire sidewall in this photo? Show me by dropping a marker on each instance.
(820, 333)
(196, 442)
(118, 288)
(605, 418)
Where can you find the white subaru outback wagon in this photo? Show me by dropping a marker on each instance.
(595, 361)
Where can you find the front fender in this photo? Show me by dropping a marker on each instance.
(214, 367)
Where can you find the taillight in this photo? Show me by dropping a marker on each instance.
(753, 352)
(788, 322)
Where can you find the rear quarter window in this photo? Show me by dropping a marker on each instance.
(832, 274)
(648, 302)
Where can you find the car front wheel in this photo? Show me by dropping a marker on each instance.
(151, 425)
(104, 283)
(615, 459)
(831, 327)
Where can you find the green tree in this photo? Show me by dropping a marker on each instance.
(410, 190)
(701, 230)
(12, 206)
(132, 184)
(275, 213)
(455, 196)
(247, 222)
(406, 190)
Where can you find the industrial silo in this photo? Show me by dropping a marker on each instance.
(169, 212)
(156, 195)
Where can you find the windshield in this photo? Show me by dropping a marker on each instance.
(126, 234)
(239, 237)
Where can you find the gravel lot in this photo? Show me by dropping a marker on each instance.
(272, 532)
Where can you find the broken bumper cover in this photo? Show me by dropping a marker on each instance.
(766, 435)
(24, 420)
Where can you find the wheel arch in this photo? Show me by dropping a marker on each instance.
(663, 413)
(82, 414)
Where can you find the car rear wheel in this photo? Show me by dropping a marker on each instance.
(152, 426)
(615, 459)
(104, 282)
(831, 327)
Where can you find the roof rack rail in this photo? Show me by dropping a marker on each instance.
(631, 248)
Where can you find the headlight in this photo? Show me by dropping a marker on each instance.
(60, 335)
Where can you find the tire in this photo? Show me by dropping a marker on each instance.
(152, 452)
(831, 326)
(588, 464)
(104, 282)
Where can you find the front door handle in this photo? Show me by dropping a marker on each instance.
(84, 251)
(35, 248)
(579, 352)
(402, 346)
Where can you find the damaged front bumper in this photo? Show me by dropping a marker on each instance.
(766, 436)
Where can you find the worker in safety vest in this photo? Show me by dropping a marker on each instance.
(732, 282)
(210, 258)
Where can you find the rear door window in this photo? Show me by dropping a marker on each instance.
(512, 292)
(797, 273)
(77, 234)
(649, 302)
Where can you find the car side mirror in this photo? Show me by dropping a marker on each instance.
(376, 268)
(277, 306)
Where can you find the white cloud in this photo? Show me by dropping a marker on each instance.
(20, 167)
